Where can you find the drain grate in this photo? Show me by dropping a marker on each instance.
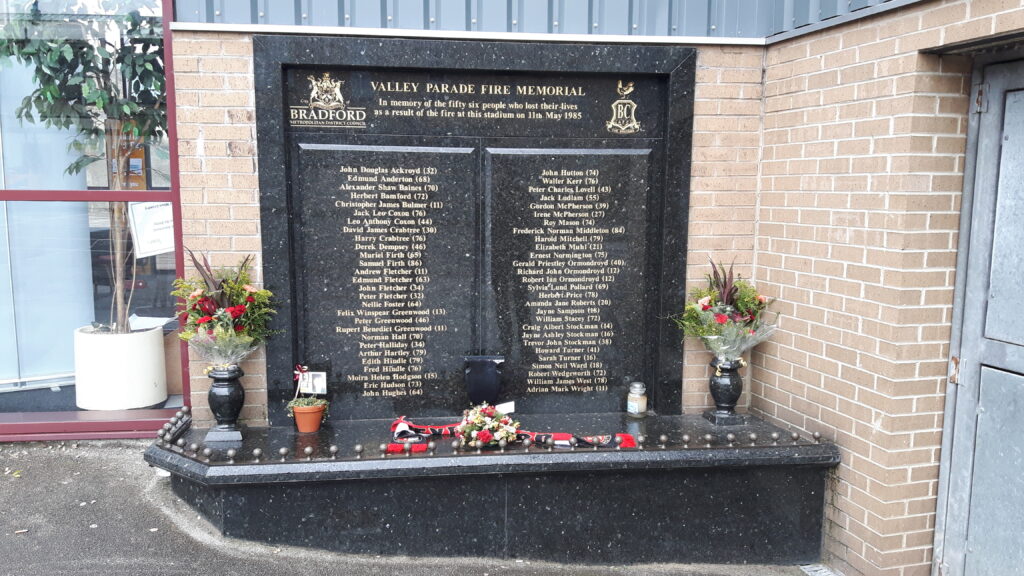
(818, 570)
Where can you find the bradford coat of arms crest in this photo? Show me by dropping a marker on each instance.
(623, 112)
(325, 93)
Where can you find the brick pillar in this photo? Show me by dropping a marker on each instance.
(219, 189)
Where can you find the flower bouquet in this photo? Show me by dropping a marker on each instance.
(226, 318)
(483, 426)
(729, 317)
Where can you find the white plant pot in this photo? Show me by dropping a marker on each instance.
(119, 371)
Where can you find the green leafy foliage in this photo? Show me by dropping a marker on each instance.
(727, 325)
(103, 79)
(307, 401)
(93, 75)
(226, 317)
(748, 302)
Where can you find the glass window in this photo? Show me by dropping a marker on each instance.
(149, 168)
(55, 57)
(56, 277)
(82, 109)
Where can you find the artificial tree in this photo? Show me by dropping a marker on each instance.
(102, 77)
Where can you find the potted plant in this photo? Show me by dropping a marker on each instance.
(309, 411)
(225, 319)
(729, 317)
(103, 79)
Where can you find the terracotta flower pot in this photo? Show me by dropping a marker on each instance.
(308, 418)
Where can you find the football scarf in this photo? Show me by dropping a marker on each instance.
(415, 436)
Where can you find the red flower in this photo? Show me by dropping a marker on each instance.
(236, 311)
(484, 436)
(209, 332)
(489, 411)
(239, 328)
(721, 318)
(207, 305)
(204, 320)
(250, 299)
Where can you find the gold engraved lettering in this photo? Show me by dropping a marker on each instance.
(568, 274)
(550, 91)
(390, 219)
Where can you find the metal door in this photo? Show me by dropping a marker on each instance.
(981, 513)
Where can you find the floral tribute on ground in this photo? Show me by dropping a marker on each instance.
(483, 426)
(729, 316)
(225, 317)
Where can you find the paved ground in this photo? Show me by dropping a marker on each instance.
(95, 508)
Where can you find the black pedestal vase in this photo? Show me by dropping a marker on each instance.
(226, 398)
(726, 385)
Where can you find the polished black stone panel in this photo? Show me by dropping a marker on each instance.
(755, 515)
(768, 514)
(424, 202)
(470, 128)
(410, 516)
(734, 499)
(207, 500)
(549, 101)
(569, 274)
(385, 275)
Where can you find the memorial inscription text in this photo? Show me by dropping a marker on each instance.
(436, 214)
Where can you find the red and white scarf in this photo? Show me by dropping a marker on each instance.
(416, 436)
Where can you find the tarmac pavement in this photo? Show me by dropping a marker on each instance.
(96, 508)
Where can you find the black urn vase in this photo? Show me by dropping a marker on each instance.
(726, 385)
(226, 398)
(483, 378)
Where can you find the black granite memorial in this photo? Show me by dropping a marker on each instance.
(426, 201)
(510, 216)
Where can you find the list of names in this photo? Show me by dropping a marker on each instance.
(387, 220)
(568, 275)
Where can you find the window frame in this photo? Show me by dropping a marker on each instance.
(98, 424)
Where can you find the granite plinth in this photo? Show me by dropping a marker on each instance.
(753, 499)
(725, 418)
(218, 436)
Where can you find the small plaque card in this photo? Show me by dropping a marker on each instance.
(313, 382)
